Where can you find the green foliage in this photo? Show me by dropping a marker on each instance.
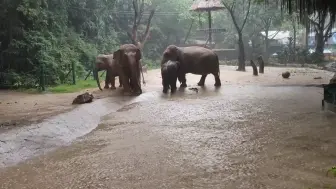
(54, 34)
(332, 171)
(68, 88)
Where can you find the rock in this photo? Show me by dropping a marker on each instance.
(317, 77)
(83, 98)
(285, 75)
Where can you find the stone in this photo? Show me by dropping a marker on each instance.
(285, 74)
(83, 98)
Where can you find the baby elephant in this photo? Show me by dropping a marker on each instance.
(169, 71)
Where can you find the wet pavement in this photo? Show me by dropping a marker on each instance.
(233, 137)
(22, 143)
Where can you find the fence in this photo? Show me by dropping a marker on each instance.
(41, 78)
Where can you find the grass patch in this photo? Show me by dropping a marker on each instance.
(69, 88)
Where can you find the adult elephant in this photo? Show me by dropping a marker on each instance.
(128, 58)
(193, 59)
(106, 62)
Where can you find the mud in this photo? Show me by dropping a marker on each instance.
(239, 136)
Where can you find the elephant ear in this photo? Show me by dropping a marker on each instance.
(138, 54)
(118, 55)
(179, 54)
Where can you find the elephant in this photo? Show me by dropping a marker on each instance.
(106, 62)
(193, 59)
(128, 58)
(169, 71)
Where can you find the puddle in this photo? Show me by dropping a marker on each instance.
(25, 142)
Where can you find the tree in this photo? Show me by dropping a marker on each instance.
(322, 25)
(140, 28)
(236, 8)
(266, 19)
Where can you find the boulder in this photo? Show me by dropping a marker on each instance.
(83, 98)
(285, 74)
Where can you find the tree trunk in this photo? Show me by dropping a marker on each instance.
(241, 58)
(307, 27)
(266, 56)
(261, 64)
(319, 42)
(255, 69)
(294, 42)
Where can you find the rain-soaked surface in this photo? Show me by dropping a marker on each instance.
(22, 143)
(234, 137)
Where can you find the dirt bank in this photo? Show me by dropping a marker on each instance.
(19, 109)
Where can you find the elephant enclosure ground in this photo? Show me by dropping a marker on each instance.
(19, 108)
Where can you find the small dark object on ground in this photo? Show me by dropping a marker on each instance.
(83, 98)
(255, 69)
(261, 64)
(194, 89)
(317, 77)
(285, 75)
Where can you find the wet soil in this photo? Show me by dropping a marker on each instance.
(19, 109)
(242, 135)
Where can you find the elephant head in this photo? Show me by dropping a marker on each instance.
(172, 53)
(129, 61)
(102, 63)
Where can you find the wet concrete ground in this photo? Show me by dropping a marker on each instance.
(234, 137)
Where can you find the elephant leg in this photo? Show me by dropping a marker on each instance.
(135, 81)
(112, 79)
(107, 80)
(165, 85)
(183, 80)
(202, 80)
(120, 82)
(173, 85)
(217, 80)
(125, 83)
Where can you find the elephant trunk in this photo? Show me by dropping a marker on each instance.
(95, 72)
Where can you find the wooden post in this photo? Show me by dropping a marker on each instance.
(255, 69)
(73, 73)
(88, 75)
(101, 75)
(261, 64)
(42, 79)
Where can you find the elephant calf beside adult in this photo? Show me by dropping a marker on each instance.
(169, 71)
(106, 62)
(195, 60)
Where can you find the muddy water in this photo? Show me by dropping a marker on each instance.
(24, 142)
(235, 137)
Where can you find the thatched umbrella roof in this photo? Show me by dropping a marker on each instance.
(207, 5)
